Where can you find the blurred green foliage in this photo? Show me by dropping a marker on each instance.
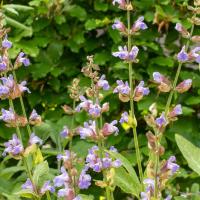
(58, 35)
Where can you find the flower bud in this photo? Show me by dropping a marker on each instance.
(184, 86)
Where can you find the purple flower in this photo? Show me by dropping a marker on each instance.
(65, 132)
(28, 185)
(116, 163)
(171, 165)
(182, 55)
(3, 65)
(47, 187)
(110, 128)
(122, 88)
(89, 130)
(34, 139)
(195, 54)
(13, 146)
(94, 110)
(23, 88)
(179, 27)
(34, 116)
(140, 91)
(161, 121)
(62, 179)
(85, 104)
(121, 3)
(184, 86)
(102, 83)
(63, 192)
(182, 30)
(119, 26)
(125, 55)
(157, 77)
(139, 25)
(8, 81)
(177, 110)
(84, 180)
(65, 157)
(22, 59)
(169, 197)
(6, 43)
(124, 117)
(107, 162)
(7, 115)
(4, 90)
(149, 189)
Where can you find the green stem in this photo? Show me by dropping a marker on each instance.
(48, 195)
(72, 125)
(132, 114)
(168, 104)
(22, 106)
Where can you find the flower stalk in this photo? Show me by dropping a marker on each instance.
(132, 114)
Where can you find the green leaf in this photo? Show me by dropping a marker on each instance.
(163, 61)
(126, 182)
(100, 6)
(78, 12)
(190, 152)
(192, 100)
(26, 193)
(41, 169)
(18, 7)
(86, 197)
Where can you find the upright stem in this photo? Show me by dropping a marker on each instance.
(132, 114)
(169, 100)
(72, 125)
(48, 195)
(22, 106)
(24, 158)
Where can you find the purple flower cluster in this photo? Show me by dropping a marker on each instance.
(94, 110)
(124, 54)
(13, 146)
(149, 189)
(97, 164)
(10, 89)
(103, 83)
(8, 116)
(64, 181)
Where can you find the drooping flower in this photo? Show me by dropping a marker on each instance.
(182, 55)
(124, 117)
(35, 140)
(164, 85)
(140, 91)
(119, 26)
(184, 86)
(102, 83)
(123, 53)
(34, 118)
(47, 187)
(110, 128)
(139, 25)
(62, 179)
(161, 121)
(89, 130)
(84, 180)
(13, 146)
(65, 132)
(6, 43)
(28, 185)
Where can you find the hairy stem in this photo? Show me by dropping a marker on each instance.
(132, 114)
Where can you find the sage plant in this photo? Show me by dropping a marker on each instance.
(11, 90)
